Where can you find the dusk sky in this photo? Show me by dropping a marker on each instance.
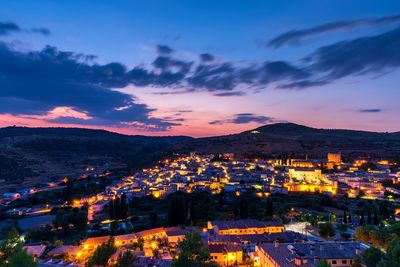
(200, 68)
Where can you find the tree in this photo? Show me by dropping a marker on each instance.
(326, 230)
(177, 210)
(12, 253)
(369, 217)
(81, 220)
(125, 259)
(372, 256)
(393, 253)
(362, 219)
(269, 210)
(323, 264)
(356, 261)
(20, 258)
(102, 254)
(243, 208)
(375, 219)
(153, 219)
(123, 207)
(193, 253)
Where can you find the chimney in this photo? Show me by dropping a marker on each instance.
(321, 247)
(341, 246)
(276, 243)
(358, 251)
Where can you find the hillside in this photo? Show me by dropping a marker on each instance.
(38, 155)
(299, 140)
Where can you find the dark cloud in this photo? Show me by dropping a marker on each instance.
(41, 30)
(372, 54)
(244, 118)
(295, 37)
(370, 110)
(302, 84)
(8, 27)
(230, 94)
(206, 57)
(164, 49)
(36, 82)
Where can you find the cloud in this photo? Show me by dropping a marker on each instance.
(41, 30)
(372, 54)
(164, 49)
(237, 93)
(206, 57)
(7, 28)
(244, 118)
(295, 37)
(39, 83)
(370, 110)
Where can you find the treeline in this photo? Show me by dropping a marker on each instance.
(118, 208)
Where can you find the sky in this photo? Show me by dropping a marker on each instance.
(200, 68)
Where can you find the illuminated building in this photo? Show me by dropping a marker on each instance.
(307, 254)
(309, 180)
(244, 227)
(226, 255)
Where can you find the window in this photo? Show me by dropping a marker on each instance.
(344, 261)
(333, 262)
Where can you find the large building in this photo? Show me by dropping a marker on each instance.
(309, 180)
(336, 254)
(244, 227)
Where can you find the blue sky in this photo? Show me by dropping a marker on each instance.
(236, 33)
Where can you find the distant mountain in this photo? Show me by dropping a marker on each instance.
(299, 140)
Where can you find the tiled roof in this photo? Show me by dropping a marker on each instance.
(287, 237)
(224, 248)
(243, 224)
(284, 254)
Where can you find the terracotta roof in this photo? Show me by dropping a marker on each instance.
(224, 248)
(61, 250)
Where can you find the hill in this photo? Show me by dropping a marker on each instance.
(298, 140)
(37, 155)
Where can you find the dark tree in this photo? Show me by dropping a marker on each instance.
(243, 208)
(153, 219)
(369, 217)
(269, 211)
(123, 207)
(372, 256)
(362, 219)
(375, 219)
(177, 210)
(102, 254)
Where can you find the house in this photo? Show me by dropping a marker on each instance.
(226, 255)
(244, 227)
(35, 251)
(336, 254)
(176, 236)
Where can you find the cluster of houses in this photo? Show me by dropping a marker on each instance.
(231, 243)
(202, 173)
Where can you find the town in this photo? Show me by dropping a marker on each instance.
(213, 210)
